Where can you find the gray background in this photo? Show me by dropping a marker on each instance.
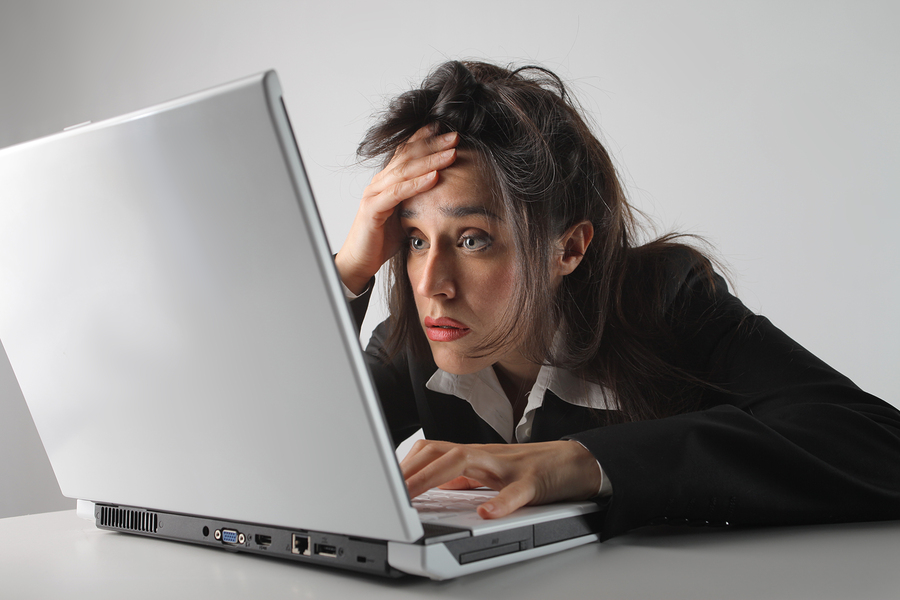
(770, 127)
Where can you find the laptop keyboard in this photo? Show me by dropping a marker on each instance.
(441, 504)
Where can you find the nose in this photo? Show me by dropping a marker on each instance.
(436, 276)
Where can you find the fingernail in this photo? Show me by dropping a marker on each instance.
(448, 137)
(489, 507)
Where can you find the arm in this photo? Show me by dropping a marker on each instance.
(375, 237)
(785, 439)
(788, 439)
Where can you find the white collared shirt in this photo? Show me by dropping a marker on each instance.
(482, 390)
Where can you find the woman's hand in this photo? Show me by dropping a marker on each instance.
(524, 474)
(375, 235)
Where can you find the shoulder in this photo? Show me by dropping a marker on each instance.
(667, 276)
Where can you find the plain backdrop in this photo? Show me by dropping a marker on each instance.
(771, 128)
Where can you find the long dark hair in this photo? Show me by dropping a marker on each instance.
(549, 172)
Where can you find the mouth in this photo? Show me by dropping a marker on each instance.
(444, 329)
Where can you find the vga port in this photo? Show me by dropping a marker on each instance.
(230, 536)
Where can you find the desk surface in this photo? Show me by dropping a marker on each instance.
(56, 555)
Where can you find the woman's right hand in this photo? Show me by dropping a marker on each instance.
(375, 235)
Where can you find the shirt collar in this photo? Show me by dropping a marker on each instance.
(482, 390)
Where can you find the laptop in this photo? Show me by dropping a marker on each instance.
(171, 310)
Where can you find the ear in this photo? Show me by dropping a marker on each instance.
(572, 246)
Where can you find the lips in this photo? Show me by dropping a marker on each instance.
(444, 329)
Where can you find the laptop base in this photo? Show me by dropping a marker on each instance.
(441, 553)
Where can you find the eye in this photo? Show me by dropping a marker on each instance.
(475, 242)
(417, 243)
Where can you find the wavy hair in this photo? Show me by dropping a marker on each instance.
(548, 172)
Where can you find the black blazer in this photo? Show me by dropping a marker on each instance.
(785, 439)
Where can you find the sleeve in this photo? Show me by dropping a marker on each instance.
(786, 439)
(390, 375)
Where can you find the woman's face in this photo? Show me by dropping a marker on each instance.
(461, 264)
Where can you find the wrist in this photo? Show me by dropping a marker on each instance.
(600, 484)
(354, 281)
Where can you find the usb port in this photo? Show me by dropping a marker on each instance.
(263, 540)
(326, 550)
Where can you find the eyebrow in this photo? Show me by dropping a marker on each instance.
(456, 212)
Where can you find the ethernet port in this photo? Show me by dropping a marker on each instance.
(299, 544)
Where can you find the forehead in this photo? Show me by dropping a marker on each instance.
(463, 189)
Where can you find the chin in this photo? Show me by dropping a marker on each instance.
(452, 362)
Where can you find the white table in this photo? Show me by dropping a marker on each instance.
(58, 555)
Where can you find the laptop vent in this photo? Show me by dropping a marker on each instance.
(128, 519)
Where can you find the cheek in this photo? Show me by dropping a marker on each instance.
(492, 290)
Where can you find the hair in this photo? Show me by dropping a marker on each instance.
(548, 172)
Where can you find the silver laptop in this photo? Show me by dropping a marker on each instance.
(170, 308)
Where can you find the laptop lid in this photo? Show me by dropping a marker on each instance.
(170, 308)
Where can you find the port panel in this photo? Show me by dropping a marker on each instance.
(369, 556)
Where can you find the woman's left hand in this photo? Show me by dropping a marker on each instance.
(524, 474)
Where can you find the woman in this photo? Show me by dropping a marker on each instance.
(524, 310)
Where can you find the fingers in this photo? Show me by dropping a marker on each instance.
(403, 180)
(430, 464)
(415, 158)
(424, 132)
(434, 463)
(375, 234)
(523, 474)
(425, 141)
(413, 170)
(512, 497)
(393, 190)
(457, 466)
(461, 483)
